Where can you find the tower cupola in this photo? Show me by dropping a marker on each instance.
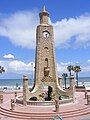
(44, 16)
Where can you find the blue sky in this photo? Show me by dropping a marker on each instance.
(18, 21)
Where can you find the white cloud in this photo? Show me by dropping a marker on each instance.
(19, 66)
(88, 60)
(20, 28)
(66, 63)
(9, 56)
(77, 28)
(61, 68)
(86, 69)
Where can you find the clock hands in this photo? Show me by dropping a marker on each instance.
(46, 34)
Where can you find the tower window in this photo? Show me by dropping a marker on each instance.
(46, 62)
(46, 48)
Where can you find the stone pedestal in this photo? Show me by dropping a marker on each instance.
(15, 95)
(1, 98)
(85, 94)
(88, 99)
(12, 104)
(72, 87)
(25, 90)
(72, 81)
(56, 105)
(60, 82)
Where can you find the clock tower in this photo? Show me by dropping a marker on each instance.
(45, 54)
(47, 86)
(45, 65)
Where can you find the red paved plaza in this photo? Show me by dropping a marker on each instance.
(70, 111)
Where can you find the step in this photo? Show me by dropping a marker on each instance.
(46, 113)
(41, 115)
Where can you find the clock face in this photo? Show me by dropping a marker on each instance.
(46, 34)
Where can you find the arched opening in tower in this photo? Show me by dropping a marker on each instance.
(46, 62)
(48, 94)
(46, 68)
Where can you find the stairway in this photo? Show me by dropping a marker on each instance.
(44, 116)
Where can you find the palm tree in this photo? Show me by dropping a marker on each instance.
(76, 69)
(70, 68)
(64, 77)
(2, 69)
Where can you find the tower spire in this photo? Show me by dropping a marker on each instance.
(44, 16)
(44, 9)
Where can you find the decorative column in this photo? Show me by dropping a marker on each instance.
(72, 81)
(12, 104)
(88, 99)
(56, 105)
(15, 96)
(1, 98)
(85, 93)
(25, 90)
(60, 82)
(72, 87)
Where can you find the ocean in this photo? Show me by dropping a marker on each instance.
(11, 84)
(18, 83)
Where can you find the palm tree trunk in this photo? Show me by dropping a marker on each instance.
(65, 82)
(77, 77)
(70, 72)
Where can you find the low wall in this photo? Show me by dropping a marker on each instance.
(19, 100)
(40, 103)
(46, 103)
(81, 89)
(65, 101)
(43, 103)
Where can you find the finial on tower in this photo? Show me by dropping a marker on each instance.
(44, 9)
(44, 16)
